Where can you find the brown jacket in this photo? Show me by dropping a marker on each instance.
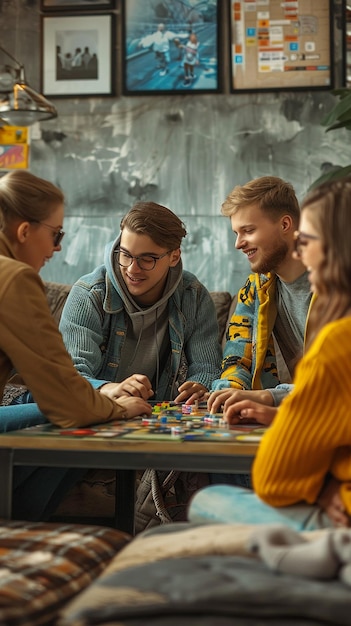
(31, 343)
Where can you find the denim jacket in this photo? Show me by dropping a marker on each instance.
(94, 326)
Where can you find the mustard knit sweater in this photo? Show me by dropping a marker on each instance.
(311, 434)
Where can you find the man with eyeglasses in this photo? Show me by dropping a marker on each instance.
(139, 324)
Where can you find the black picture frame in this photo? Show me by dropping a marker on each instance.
(190, 62)
(76, 5)
(278, 46)
(63, 73)
(346, 22)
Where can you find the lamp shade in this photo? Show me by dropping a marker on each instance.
(23, 106)
(20, 105)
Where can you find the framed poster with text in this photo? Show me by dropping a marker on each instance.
(284, 45)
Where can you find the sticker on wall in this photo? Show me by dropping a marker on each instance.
(14, 147)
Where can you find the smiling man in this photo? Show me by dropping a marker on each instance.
(139, 324)
(266, 333)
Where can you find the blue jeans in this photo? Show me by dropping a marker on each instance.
(228, 504)
(37, 491)
(16, 416)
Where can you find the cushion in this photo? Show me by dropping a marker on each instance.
(42, 565)
(205, 587)
(222, 301)
(56, 294)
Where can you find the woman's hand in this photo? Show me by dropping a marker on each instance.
(134, 407)
(330, 501)
(248, 412)
(243, 406)
(136, 385)
(189, 392)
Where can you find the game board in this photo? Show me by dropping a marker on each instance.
(168, 421)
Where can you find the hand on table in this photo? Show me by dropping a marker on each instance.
(243, 406)
(330, 501)
(189, 392)
(136, 385)
(134, 407)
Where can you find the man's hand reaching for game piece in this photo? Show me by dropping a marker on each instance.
(191, 392)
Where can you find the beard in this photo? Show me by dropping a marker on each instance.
(271, 259)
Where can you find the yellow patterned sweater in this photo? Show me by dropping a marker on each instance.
(311, 434)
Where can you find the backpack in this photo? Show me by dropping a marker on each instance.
(162, 497)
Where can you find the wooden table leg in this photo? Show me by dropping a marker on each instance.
(125, 500)
(6, 471)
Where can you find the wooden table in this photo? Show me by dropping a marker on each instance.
(24, 447)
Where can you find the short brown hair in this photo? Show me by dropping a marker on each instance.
(159, 223)
(272, 194)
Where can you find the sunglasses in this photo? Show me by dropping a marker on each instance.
(58, 235)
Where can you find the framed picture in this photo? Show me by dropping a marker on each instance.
(281, 45)
(77, 55)
(74, 5)
(347, 44)
(175, 53)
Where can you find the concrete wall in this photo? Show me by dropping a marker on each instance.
(184, 151)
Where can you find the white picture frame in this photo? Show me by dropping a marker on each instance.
(64, 71)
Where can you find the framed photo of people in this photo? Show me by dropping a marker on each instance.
(176, 52)
(76, 5)
(77, 55)
(281, 45)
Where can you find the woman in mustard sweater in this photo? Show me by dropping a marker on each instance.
(303, 464)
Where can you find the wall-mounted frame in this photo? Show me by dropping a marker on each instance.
(77, 55)
(76, 5)
(281, 45)
(175, 53)
(346, 20)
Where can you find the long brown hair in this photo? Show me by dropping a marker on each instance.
(329, 210)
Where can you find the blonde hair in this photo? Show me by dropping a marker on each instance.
(273, 195)
(26, 197)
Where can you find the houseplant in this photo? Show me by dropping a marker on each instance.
(338, 117)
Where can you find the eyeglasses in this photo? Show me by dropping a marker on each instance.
(58, 234)
(145, 261)
(301, 240)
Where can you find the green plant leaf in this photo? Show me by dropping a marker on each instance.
(337, 125)
(340, 109)
(342, 93)
(334, 173)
